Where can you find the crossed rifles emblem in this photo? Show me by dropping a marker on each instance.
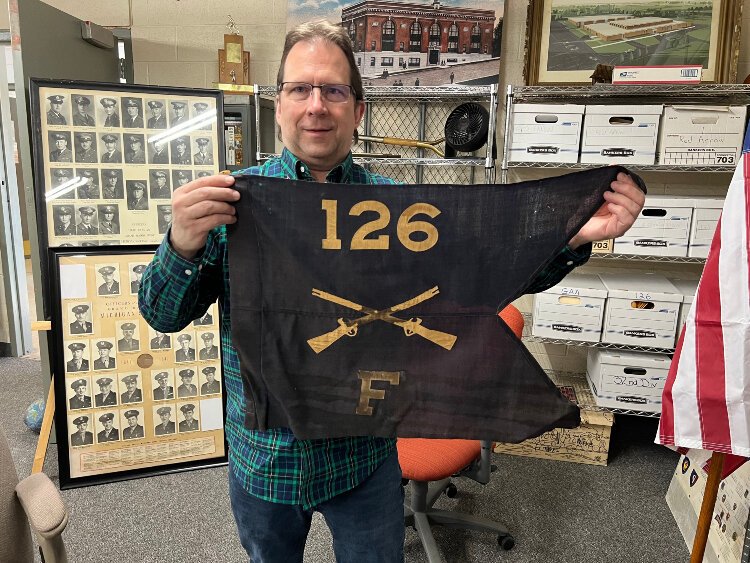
(411, 326)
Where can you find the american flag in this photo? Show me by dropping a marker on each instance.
(706, 399)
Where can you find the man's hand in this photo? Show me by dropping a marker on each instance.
(198, 207)
(616, 216)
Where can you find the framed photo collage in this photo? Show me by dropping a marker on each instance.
(129, 401)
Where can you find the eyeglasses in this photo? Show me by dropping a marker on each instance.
(301, 91)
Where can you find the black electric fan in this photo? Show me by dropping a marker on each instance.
(466, 129)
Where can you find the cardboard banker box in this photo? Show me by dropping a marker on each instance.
(546, 132)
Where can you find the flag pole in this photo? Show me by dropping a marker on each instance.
(707, 507)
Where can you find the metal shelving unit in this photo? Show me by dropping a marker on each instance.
(648, 258)
(605, 345)
(419, 113)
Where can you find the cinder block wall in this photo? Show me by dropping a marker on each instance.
(175, 42)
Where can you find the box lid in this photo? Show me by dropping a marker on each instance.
(625, 109)
(641, 286)
(626, 358)
(548, 108)
(583, 285)
(668, 201)
(708, 203)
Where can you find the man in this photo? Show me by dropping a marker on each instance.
(185, 353)
(133, 114)
(86, 226)
(137, 199)
(112, 184)
(107, 223)
(77, 362)
(187, 388)
(135, 284)
(104, 361)
(201, 107)
(106, 397)
(157, 119)
(61, 153)
(132, 394)
(82, 117)
(206, 319)
(54, 116)
(85, 151)
(163, 391)
(190, 424)
(82, 437)
(135, 154)
(134, 430)
(178, 113)
(166, 426)
(161, 341)
(159, 186)
(210, 351)
(211, 386)
(165, 218)
(158, 153)
(81, 325)
(110, 285)
(203, 156)
(110, 433)
(355, 479)
(63, 224)
(111, 153)
(89, 190)
(80, 400)
(127, 343)
(110, 110)
(180, 153)
(181, 177)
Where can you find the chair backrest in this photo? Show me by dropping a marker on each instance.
(15, 538)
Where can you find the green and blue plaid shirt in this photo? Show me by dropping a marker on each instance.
(274, 465)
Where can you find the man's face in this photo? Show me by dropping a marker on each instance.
(81, 108)
(156, 111)
(80, 316)
(111, 145)
(210, 377)
(131, 385)
(318, 132)
(164, 417)
(104, 353)
(109, 109)
(135, 146)
(89, 179)
(132, 111)
(77, 354)
(108, 424)
(107, 279)
(132, 421)
(185, 345)
(167, 217)
(86, 144)
(137, 193)
(61, 144)
(163, 383)
(105, 388)
(208, 342)
(181, 148)
(112, 180)
(127, 333)
(179, 111)
(82, 427)
(56, 107)
(108, 217)
(81, 391)
(86, 218)
(161, 181)
(188, 416)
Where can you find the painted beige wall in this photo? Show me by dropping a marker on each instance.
(175, 42)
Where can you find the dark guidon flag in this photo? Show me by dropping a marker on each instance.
(372, 310)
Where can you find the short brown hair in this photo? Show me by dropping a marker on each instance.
(325, 31)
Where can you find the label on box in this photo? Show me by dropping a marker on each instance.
(668, 74)
(603, 246)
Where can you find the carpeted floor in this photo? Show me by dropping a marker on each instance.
(558, 512)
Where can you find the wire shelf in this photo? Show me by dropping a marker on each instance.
(648, 258)
(606, 345)
(641, 167)
(665, 93)
(413, 94)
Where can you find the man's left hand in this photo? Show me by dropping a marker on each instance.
(620, 210)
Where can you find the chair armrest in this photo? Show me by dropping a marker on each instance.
(43, 505)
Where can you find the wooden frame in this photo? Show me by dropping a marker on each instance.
(723, 33)
(163, 395)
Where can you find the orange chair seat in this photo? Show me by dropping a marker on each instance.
(425, 459)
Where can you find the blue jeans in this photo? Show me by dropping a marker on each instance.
(367, 523)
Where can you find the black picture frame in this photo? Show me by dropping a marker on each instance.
(62, 339)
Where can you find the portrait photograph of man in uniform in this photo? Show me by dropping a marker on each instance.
(132, 393)
(82, 436)
(61, 143)
(109, 108)
(55, 112)
(80, 400)
(81, 324)
(109, 223)
(82, 117)
(354, 482)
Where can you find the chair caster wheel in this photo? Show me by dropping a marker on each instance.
(451, 490)
(506, 542)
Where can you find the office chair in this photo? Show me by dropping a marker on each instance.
(429, 464)
(34, 501)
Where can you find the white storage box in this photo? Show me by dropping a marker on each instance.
(641, 310)
(546, 132)
(620, 134)
(687, 288)
(571, 310)
(661, 229)
(706, 213)
(699, 135)
(627, 380)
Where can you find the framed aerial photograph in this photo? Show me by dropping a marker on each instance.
(107, 158)
(567, 39)
(127, 403)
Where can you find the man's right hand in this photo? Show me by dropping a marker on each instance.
(198, 207)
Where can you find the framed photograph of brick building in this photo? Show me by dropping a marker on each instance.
(567, 39)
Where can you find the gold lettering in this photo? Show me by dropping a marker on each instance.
(332, 241)
(406, 227)
(360, 240)
(367, 393)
